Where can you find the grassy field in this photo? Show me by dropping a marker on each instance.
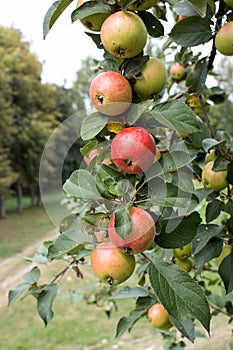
(76, 325)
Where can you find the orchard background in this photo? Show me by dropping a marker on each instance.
(185, 105)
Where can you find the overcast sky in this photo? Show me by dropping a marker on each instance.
(64, 47)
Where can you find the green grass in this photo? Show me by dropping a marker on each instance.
(11, 203)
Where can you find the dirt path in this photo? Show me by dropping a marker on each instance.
(13, 268)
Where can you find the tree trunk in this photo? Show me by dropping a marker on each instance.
(2, 207)
(19, 192)
(32, 193)
(39, 201)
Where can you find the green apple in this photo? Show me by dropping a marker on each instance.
(177, 71)
(153, 81)
(210, 156)
(183, 252)
(95, 21)
(110, 264)
(224, 39)
(185, 264)
(123, 34)
(159, 317)
(212, 179)
(226, 250)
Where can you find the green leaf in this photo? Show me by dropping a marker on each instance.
(32, 276)
(122, 222)
(127, 322)
(134, 65)
(130, 292)
(184, 8)
(16, 293)
(53, 13)
(211, 250)
(209, 143)
(82, 184)
(136, 110)
(90, 8)
(196, 79)
(214, 209)
(204, 234)
(177, 116)
(45, 302)
(181, 296)
(90, 146)
(225, 271)
(176, 233)
(199, 6)
(230, 173)
(191, 31)
(92, 125)
(153, 25)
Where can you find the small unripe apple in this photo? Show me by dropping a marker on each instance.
(229, 3)
(110, 93)
(90, 156)
(212, 179)
(93, 22)
(110, 264)
(114, 127)
(183, 252)
(159, 317)
(153, 81)
(133, 150)
(185, 264)
(123, 34)
(226, 250)
(177, 71)
(210, 156)
(141, 235)
(224, 39)
(142, 5)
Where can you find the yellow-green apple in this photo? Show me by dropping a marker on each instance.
(159, 317)
(177, 71)
(133, 150)
(142, 5)
(110, 264)
(229, 3)
(154, 78)
(123, 34)
(185, 264)
(95, 21)
(110, 93)
(141, 235)
(216, 180)
(183, 252)
(224, 39)
(210, 156)
(226, 250)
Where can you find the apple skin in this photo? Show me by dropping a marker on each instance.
(142, 5)
(180, 18)
(185, 264)
(154, 79)
(229, 3)
(210, 156)
(177, 71)
(110, 264)
(141, 235)
(123, 34)
(110, 93)
(212, 179)
(93, 22)
(159, 317)
(90, 156)
(133, 150)
(224, 39)
(183, 252)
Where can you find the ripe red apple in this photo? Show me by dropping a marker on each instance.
(154, 79)
(177, 71)
(212, 179)
(123, 34)
(229, 3)
(133, 150)
(93, 22)
(183, 252)
(110, 264)
(110, 93)
(180, 18)
(159, 317)
(224, 39)
(142, 5)
(141, 235)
